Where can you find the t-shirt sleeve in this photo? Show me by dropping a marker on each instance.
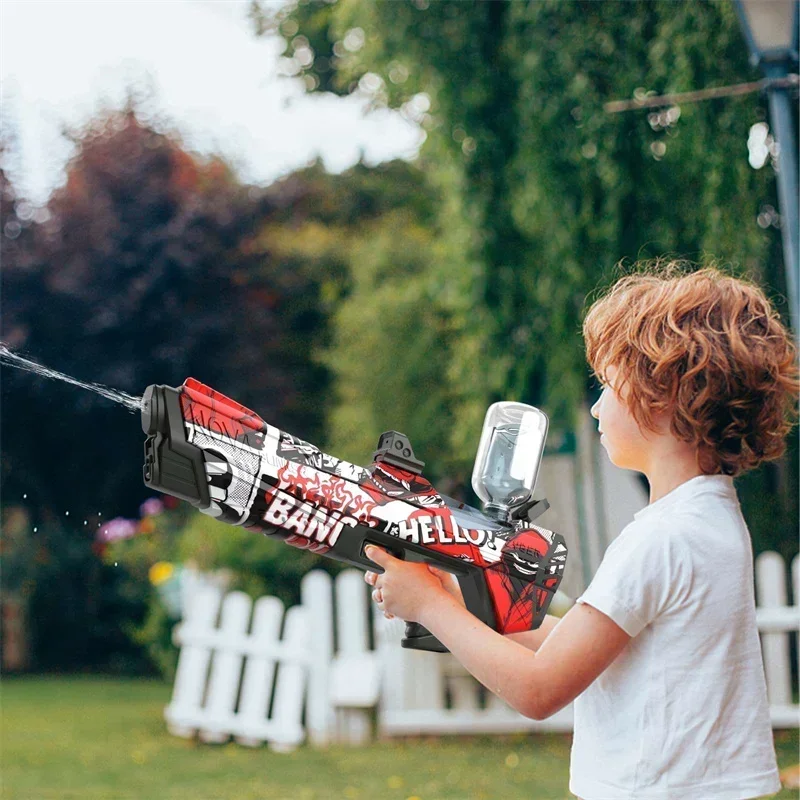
(642, 577)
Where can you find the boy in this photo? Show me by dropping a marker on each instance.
(661, 653)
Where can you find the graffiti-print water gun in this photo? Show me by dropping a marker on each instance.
(224, 459)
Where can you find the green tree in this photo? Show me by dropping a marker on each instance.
(542, 191)
(388, 327)
(143, 269)
(150, 265)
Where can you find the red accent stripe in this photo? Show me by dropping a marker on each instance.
(216, 401)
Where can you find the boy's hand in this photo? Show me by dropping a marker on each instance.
(405, 589)
(449, 583)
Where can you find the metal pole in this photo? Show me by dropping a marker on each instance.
(780, 111)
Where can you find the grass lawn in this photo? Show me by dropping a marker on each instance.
(93, 738)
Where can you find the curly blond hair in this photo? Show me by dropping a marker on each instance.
(707, 348)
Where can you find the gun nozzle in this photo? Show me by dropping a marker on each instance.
(152, 410)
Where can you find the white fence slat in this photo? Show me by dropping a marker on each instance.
(496, 705)
(355, 681)
(386, 632)
(280, 650)
(352, 661)
(259, 673)
(784, 716)
(316, 591)
(779, 619)
(453, 721)
(463, 692)
(462, 686)
(796, 601)
(771, 588)
(422, 678)
(351, 612)
(414, 675)
(226, 667)
(190, 678)
(290, 687)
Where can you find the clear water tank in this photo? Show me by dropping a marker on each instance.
(509, 455)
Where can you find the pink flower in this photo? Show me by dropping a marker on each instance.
(115, 529)
(150, 507)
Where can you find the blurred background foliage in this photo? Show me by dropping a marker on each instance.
(543, 193)
(406, 296)
(181, 538)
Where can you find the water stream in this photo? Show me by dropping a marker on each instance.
(133, 404)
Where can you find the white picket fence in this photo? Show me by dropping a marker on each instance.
(776, 619)
(226, 674)
(342, 664)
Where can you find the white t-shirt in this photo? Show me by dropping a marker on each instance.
(682, 712)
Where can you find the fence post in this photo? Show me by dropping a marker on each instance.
(796, 602)
(190, 678)
(771, 588)
(352, 652)
(462, 686)
(316, 591)
(391, 694)
(291, 682)
(259, 672)
(411, 680)
(226, 667)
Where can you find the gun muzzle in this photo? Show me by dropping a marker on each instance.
(171, 464)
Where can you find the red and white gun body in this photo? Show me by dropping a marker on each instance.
(223, 458)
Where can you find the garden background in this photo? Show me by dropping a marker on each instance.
(405, 295)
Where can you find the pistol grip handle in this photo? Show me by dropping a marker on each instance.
(420, 638)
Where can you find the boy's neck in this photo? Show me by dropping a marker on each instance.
(660, 489)
(670, 469)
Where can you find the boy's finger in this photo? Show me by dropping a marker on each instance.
(377, 555)
(442, 574)
(369, 577)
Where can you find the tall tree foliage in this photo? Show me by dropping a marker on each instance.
(542, 191)
(141, 274)
(145, 272)
(387, 328)
(150, 265)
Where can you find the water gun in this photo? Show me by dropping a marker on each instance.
(214, 453)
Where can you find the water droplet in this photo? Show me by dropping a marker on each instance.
(115, 563)
(67, 513)
(35, 529)
(86, 522)
(25, 497)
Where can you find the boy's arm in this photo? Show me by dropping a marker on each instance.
(580, 647)
(537, 684)
(533, 640)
